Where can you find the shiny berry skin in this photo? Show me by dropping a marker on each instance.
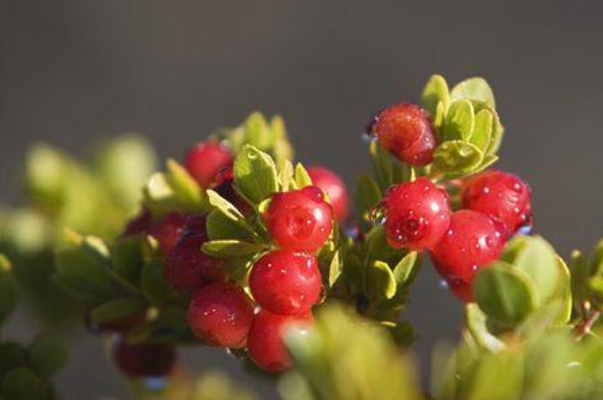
(205, 160)
(472, 241)
(187, 268)
(265, 341)
(144, 360)
(502, 196)
(300, 219)
(417, 214)
(334, 187)
(405, 130)
(139, 224)
(167, 231)
(286, 282)
(220, 314)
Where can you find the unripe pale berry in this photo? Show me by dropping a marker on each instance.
(205, 160)
(500, 195)
(405, 130)
(167, 231)
(300, 219)
(265, 340)
(220, 314)
(144, 360)
(472, 241)
(417, 214)
(286, 282)
(334, 187)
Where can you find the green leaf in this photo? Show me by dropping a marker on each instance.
(482, 130)
(117, 309)
(435, 92)
(8, 295)
(255, 174)
(231, 248)
(335, 269)
(238, 268)
(184, 185)
(220, 227)
(258, 133)
(459, 121)
(23, 384)
(457, 157)
(538, 259)
(407, 269)
(477, 326)
(473, 89)
(382, 165)
(381, 281)
(368, 196)
(497, 133)
(127, 257)
(47, 355)
(505, 293)
(156, 289)
(285, 176)
(302, 177)
(281, 149)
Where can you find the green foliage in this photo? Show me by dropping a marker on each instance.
(8, 296)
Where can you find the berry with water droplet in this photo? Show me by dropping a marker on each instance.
(417, 214)
(167, 231)
(299, 219)
(471, 242)
(286, 282)
(220, 314)
(265, 340)
(204, 160)
(405, 130)
(334, 187)
(502, 196)
(144, 360)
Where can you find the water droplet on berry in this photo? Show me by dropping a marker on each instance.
(444, 284)
(377, 215)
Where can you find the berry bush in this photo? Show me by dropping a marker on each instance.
(241, 247)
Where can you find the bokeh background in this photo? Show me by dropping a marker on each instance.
(77, 70)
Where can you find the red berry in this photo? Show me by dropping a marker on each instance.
(286, 282)
(205, 160)
(334, 187)
(220, 314)
(462, 291)
(187, 268)
(195, 223)
(300, 219)
(265, 341)
(139, 224)
(167, 231)
(500, 195)
(471, 241)
(144, 360)
(405, 131)
(417, 214)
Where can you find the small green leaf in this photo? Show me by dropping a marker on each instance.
(23, 384)
(258, 133)
(255, 174)
(224, 206)
(407, 269)
(221, 227)
(460, 121)
(505, 293)
(473, 89)
(381, 281)
(238, 268)
(382, 165)
(47, 355)
(435, 92)
(538, 259)
(127, 257)
(231, 248)
(457, 157)
(335, 269)
(302, 177)
(476, 323)
(482, 130)
(156, 289)
(117, 309)
(184, 185)
(497, 133)
(285, 176)
(368, 195)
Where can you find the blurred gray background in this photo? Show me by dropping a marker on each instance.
(78, 70)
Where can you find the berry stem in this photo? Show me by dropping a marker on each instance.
(585, 327)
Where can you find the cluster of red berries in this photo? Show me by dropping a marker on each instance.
(418, 215)
(284, 284)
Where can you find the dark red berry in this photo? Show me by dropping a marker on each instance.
(220, 314)
(225, 188)
(417, 214)
(334, 187)
(167, 231)
(187, 268)
(265, 340)
(300, 219)
(205, 160)
(471, 241)
(195, 223)
(405, 131)
(139, 224)
(144, 360)
(502, 196)
(462, 291)
(286, 282)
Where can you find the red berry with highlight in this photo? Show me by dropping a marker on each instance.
(220, 314)
(300, 219)
(502, 196)
(265, 340)
(167, 231)
(417, 214)
(205, 160)
(334, 187)
(286, 282)
(144, 360)
(405, 130)
(472, 241)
